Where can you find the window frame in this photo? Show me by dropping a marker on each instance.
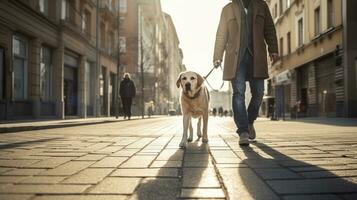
(24, 58)
(317, 21)
(300, 32)
(288, 40)
(330, 19)
(49, 70)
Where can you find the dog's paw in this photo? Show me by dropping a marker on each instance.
(199, 135)
(183, 145)
(204, 140)
(189, 139)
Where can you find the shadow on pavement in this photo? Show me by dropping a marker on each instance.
(167, 183)
(345, 122)
(280, 175)
(22, 144)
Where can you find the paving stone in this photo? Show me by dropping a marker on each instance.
(110, 149)
(333, 185)
(201, 164)
(81, 197)
(228, 160)
(11, 179)
(110, 162)
(138, 162)
(24, 172)
(277, 173)
(243, 183)
(326, 174)
(264, 163)
(68, 168)
(43, 189)
(199, 177)
(43, 179)
(231, 165)
(150, 172)
(157, 189)
(168, 154)
(166, 164)
(141, 143)
(5, 169)
(312, 197)
(51, 162)
(125, 152)
(88, 176)
(202, 193)
(223, 153)
(15, 197)
(16, 163)
(189, 157)
(116, 185)
(91, 157)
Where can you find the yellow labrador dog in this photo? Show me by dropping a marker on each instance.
(194, 104)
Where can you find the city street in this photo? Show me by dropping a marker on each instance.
(139, 159)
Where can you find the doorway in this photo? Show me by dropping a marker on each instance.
(70, 91)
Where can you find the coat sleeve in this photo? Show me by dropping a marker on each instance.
(133, 89)
(221, 37)
(121, 89)
(270, 32)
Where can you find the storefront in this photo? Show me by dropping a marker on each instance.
(282, 95)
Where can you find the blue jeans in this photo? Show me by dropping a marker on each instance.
(242, 116)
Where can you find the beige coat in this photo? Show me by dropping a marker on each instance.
(228, 38)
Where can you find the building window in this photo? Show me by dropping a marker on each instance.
(281, 47)
(110, 43)
(43, 6)
(330, 13)
(288, 37)
(317, 21)
(64, 9)
(275, 11)
(300, 32)
(86, 17)
(123, 6)
(122, 44)
(102, 37)
(20, 55)
(2, 72)
(45, 73)
(288, 3)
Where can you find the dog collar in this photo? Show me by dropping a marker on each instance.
(194, 96)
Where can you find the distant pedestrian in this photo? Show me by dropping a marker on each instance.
(127, 93)
(225, 113)
(151, 109)
(220, 111)
(214, 112)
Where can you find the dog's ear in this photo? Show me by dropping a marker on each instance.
(178, 82)
(200, 80)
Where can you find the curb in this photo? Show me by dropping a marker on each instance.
(53, 126)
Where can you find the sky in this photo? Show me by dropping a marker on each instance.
(196, 23)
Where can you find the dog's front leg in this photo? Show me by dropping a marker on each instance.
(199, 127)
(205, 124)
(186, 121)
(190, 138)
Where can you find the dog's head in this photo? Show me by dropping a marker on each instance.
(190, 82)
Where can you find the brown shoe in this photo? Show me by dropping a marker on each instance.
(252, 134)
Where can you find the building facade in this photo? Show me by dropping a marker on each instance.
(310, 77)
(55, 63)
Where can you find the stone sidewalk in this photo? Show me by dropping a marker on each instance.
(140, 160)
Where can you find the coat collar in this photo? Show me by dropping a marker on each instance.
(238, 4)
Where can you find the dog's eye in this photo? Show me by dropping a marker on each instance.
(184, 78)
(193, 78)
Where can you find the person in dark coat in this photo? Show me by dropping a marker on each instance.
(127, 93)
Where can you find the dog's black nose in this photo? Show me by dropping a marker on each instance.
(188, 86)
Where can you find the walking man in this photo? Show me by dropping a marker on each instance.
(127, 93)
(244, 30)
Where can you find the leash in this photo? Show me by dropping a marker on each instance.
(209, 73)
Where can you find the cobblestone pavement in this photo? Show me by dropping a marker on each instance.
(140, 159)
